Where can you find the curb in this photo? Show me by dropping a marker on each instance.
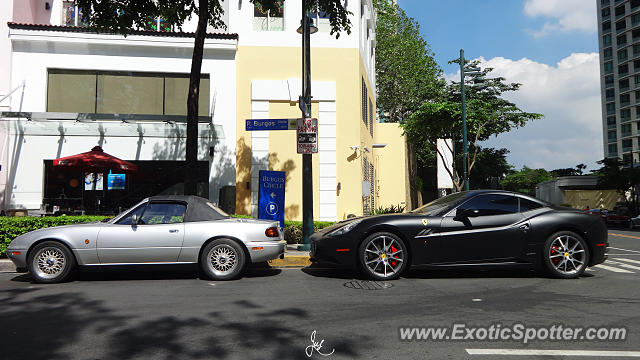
(291, 261)
(6, 266)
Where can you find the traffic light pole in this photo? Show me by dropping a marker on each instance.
(307, 164)
(465, 157)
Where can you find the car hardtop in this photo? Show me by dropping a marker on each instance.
(198, 208)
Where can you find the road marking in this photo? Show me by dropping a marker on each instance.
(614, 269)
(624, 265)
(623, 254)
(623, 235)
(532, 352)
(629, 260)
(633, 251)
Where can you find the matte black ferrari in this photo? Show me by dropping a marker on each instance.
(478, 228)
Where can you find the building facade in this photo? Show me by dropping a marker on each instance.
(619, 43)
(128, 95)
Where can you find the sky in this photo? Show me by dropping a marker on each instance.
(550, 47)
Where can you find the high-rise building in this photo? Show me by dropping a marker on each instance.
(619, 42)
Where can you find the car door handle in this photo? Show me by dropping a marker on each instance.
(174, 230)
(524, 227)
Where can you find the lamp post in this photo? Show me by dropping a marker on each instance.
(306, 28)
(476, 73)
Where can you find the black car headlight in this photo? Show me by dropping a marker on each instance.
(345, 229)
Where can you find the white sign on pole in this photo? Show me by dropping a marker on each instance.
(307, 136)
(444, 162)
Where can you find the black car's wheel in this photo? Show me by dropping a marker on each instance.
(50, 262)
(222, 259)
(566, 255)
(383, 256)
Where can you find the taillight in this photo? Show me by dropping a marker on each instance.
(272, 232)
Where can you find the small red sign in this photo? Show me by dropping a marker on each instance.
(307, 136)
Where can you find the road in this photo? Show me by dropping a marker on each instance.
(272, 313)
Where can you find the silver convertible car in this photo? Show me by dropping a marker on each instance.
(158, 230)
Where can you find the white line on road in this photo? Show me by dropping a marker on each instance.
(623, 254)
(626, 266)
(629, 260)
(532, 352)
(614, 269)
(633, 251)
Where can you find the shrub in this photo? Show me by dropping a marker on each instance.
(388, 210)
(12, 227)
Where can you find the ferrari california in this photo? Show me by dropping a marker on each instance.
(473, 228)
(158, 230)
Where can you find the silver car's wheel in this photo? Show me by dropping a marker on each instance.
(383, 256)
(222, 259)
(566, 255)
(50, 262)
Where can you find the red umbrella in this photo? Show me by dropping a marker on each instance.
(95, 161)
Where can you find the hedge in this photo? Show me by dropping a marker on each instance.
(12, 227)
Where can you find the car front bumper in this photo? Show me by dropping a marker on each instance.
(337, 251)
(261, 251)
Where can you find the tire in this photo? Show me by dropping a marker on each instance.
(566, 255)
(222, 259)
(383, 256)
(50, 262)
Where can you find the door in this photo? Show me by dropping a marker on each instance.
(156, 236)
(487, 227)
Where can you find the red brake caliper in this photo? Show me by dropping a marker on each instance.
(393, 250)
(554, 251)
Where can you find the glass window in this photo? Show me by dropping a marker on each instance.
(611, 108)
(605, 12)
(606, 40)
(364, 101)
(635, 3)
(627, 159)
(624, 84)
(613, 149)
(625, 114)
(608, 67)
(605, 2)
(636, 50)
(610, 93)
(625, 99)
(608, 80)
(263, 21)
(163, 213)
(71, 91)
(623, 69)
(622, 54)
(607, 53)
(611, 120)
(621, 40)
(635, 34)
(621, 25)
(636, 65)
(441, 205)
(526, 204)
(127, 219)
(606, 25)
(611, 135)
(626, 128)
(620, 10)
(492, 204)
(635, 19)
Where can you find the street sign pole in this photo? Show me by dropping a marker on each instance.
(465, 156)
(307, 164)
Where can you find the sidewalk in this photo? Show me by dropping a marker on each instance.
(292, 259)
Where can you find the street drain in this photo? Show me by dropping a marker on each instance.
(367, 285)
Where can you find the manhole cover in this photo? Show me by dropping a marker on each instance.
(368, 285)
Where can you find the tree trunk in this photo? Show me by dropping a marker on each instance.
(190, 175)
(412, 165)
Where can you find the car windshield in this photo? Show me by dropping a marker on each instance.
(440, 205)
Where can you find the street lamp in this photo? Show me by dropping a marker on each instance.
(306, 28)
(478, 80)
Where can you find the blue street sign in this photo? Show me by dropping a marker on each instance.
(270, 124)
(271, 195)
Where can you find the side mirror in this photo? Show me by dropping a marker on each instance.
(465, 214)
(134, 219)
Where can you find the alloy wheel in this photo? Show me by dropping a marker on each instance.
(567, 255)
(384, 256)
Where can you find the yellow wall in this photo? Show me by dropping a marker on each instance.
(580, 199)
(327, 64)
(390, 165)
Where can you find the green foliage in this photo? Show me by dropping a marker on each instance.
(406, 72)
(488, 113)
(525, 180)
(490, 168)
(575, 171)
(12, 227)
(393, 209)
(293, 229)
(614, 174)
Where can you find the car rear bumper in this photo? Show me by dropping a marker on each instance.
(261, 251)
(18, 257)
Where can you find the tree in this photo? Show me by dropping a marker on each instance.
(125, 16)
(488, 113)
(624, 179)
(491, 167)
(525, 180)
(406, 74)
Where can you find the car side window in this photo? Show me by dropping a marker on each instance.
(492, 204)
(163, 213)
(127, 219)
(526, 205)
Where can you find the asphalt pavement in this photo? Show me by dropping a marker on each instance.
(274, 313)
